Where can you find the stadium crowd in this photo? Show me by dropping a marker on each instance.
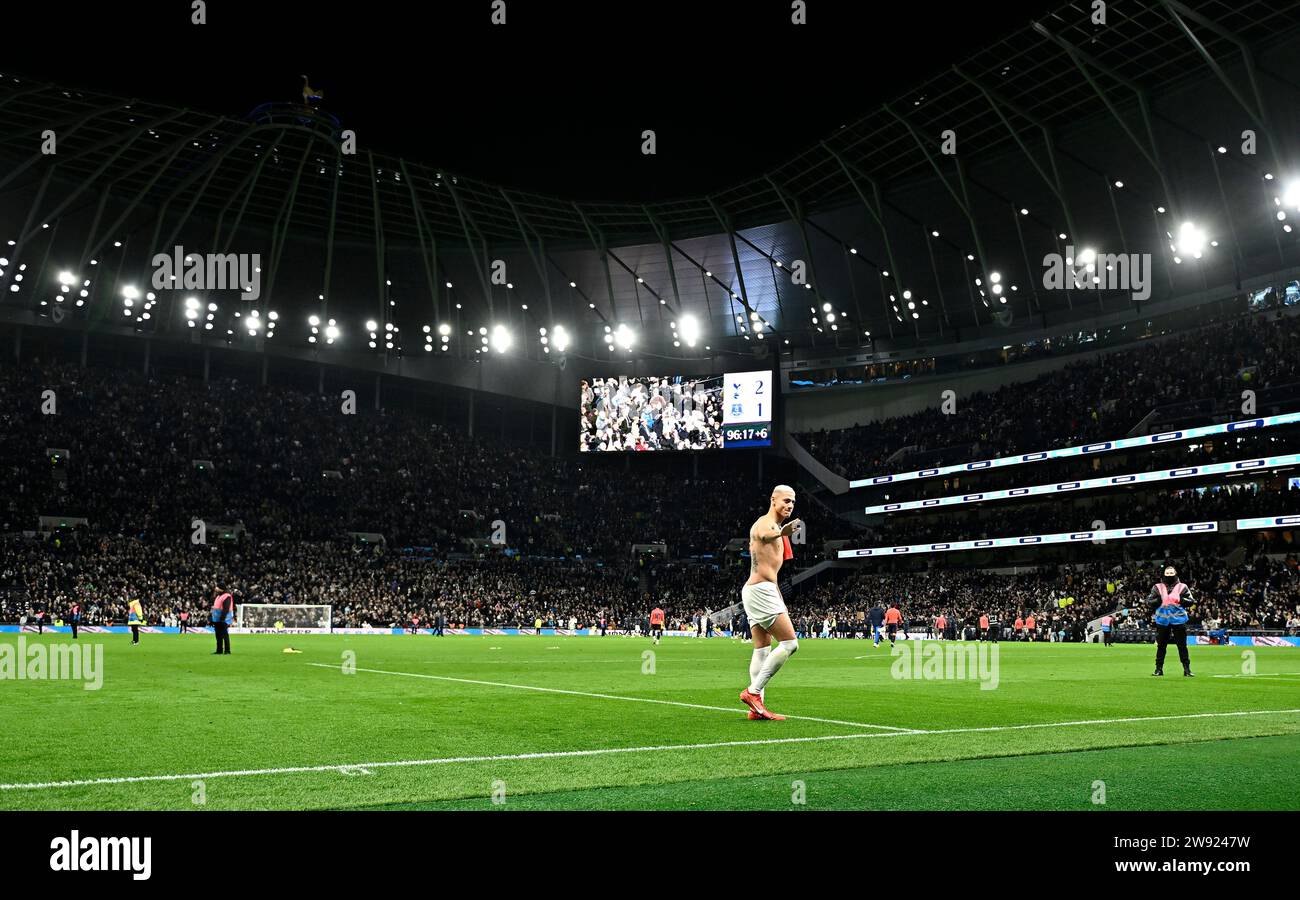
(147, 457)
(1262, 594)
(1094, 399)
(1055, 514)
(370, 586)
(1241, 446)
(141, 459)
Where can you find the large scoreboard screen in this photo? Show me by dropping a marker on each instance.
(676, 412)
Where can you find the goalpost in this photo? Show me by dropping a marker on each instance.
(283, 618)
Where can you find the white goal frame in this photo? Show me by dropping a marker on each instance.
(242, 624)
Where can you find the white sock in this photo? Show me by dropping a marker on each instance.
(756, 664)
(775, 660)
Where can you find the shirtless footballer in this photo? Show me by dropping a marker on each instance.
(762, 599)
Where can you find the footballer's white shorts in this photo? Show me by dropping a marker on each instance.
(762, 602)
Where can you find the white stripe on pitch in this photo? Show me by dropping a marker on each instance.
(528, 687)
(560, 754)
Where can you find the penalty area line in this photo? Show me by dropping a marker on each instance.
(348, 768)
(547, 690)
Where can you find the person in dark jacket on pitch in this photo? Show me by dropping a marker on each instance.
(223, 611)
(1172, 599)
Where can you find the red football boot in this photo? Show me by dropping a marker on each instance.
(756, 708)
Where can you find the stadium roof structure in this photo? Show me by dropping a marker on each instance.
(1066, 133)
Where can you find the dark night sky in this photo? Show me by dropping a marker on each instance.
(554, 101)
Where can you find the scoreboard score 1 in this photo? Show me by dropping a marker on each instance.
(747, 409)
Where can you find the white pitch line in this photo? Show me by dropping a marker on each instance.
(529, 687)
(1260, 675)
(604, 751)
(1215, 715)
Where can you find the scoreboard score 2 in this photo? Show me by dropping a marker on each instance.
(747, 409)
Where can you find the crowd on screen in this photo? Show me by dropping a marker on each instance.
(1095, 399)
(651, 413)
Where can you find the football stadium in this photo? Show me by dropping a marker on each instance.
(942, 453)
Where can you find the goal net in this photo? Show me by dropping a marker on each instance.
(291, 618)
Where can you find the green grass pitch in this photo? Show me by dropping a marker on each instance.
(515, 723)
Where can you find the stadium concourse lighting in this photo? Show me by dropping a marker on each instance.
(501, 338)
(67, 279)
(625, 337)
(559, 338)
